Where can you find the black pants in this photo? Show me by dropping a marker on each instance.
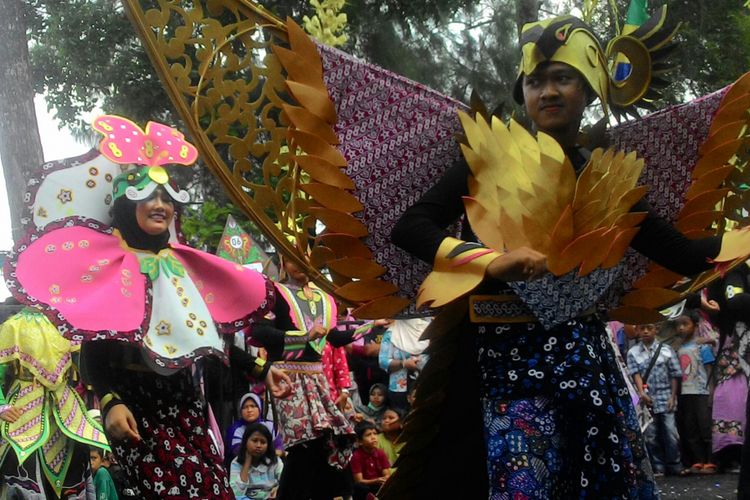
(361, 492)
(307, 474)
(694, 425)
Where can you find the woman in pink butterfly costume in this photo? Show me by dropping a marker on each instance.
(167, 304)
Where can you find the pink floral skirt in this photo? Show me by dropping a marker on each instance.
(310, 413)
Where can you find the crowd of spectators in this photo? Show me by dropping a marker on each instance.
(688, 378)
(690, 383)
(371, 381)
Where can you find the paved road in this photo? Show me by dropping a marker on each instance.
(698, 487)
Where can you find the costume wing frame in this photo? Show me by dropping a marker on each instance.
(250, 90)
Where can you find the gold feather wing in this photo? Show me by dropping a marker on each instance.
(717, 202)
(524, 192)
(250, 90)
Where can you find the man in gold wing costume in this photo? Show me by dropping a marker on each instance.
(519, 345)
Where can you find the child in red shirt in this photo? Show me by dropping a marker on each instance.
(370, 466)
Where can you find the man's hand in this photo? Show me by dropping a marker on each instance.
(316, 332)
(521, 264)
(11, 414)
(646, 400)
(710, 306)
(672, 403)
(411, 363)
(278, 382)
(120, 424)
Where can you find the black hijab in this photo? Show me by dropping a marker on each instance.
(123, 212)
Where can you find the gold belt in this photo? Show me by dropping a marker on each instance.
(506, 308)
(300, 366)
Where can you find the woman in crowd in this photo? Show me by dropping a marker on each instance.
(732, 368)
(250, 412)
(401, 356)
(318, 438)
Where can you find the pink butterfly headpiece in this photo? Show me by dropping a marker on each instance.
(125, 143)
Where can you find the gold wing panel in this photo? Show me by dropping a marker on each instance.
(250, 90)
(718, 200)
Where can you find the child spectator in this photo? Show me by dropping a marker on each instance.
(370, 466)
(402, 356)
(375, 407)
(694, 417)
(390, 430)
(255, 473)
(103, 484)
(250, 412)
(655, 369)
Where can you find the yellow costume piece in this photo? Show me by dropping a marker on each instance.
(459, 268)
(583, 223)
(569, 40)
(53, 416)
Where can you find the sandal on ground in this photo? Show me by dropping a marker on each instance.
(709, 469)
(696, 468)
(685, 472)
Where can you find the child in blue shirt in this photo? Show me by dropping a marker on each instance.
(662, 440)
(694, 415)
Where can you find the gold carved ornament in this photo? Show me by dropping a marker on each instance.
(250, 90)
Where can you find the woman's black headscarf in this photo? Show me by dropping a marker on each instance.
(123, 212)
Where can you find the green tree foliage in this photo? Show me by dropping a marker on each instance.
(85, 54)
(714, 49)
(203, 224)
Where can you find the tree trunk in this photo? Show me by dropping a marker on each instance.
(20, 145)
(527, 11)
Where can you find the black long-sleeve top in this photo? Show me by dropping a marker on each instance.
(271, 334)
(423, 226)
(99, 357)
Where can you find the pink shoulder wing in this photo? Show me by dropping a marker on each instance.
(86, 275)
(231, 292)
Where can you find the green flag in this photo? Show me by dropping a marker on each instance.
(238, 246)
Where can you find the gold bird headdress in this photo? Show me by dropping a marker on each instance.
(569, 40)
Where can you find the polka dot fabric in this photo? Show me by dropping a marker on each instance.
(558, 418)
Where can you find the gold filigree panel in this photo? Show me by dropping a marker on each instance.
(250, 90)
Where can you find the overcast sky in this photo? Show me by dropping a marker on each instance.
(57, 144)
